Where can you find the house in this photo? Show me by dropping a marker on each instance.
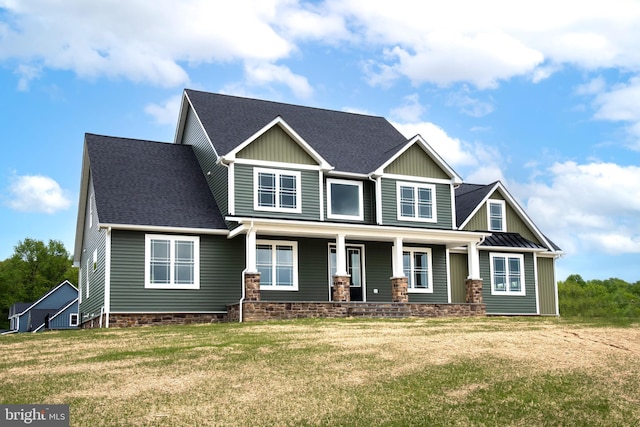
(58, 309)
(262, 210)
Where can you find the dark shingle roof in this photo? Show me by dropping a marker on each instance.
(350, 142)
(468, 197)
(140, 182)
(19, 307)
(510, 240)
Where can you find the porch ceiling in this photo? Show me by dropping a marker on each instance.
(330, 230)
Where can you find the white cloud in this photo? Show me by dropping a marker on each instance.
(37, 193)
(468, 105)
(165, 113)
(587, 207)
(264, 74)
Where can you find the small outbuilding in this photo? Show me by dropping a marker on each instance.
(58, 309)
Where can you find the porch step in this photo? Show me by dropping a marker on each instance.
(379, 310)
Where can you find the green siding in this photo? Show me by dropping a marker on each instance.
(416, 162)
(244, 190)
(459, 274)
(547, 286)
(194, 135)
(390, 207)
(516, 304)
(221, 265)
(378, 270)
(276, 145)
(368, 202)
(94, 239)
(514, 223)
(439, 265)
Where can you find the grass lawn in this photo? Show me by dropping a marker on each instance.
(490, 371)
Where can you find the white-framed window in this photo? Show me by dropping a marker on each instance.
(172, 262)
(276, 190)
(86, 289)
(496, 215)
(416, 202)
(344, 199)
(507, 274)
(73, 319)
(90, 210)
(95, 260)
(277, 262)
(416, 263)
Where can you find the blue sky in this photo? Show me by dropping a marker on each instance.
(543, 95)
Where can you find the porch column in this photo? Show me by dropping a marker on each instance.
(473, 283)
(399, 282)
(341, 280)
(252, 276)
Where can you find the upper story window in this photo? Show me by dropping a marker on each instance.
(276, 190)
(416, 202)
(507, 274)
(416, 263)
(496, 210)
(172, 262)
(344, 199)
(277, 262)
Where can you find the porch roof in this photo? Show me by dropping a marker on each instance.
(316, 229)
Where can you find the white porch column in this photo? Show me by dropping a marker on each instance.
(341, 256)
(473, 261)
(251, 252)
(396, 258)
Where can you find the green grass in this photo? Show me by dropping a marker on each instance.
(352, 372)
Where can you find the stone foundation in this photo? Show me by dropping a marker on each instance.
(125, 320)
(474, 291)
(341, 292)
(399, 286)
(268, 310)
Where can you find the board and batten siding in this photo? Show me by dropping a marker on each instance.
(63, 318)
(390, 206)
(547, 286)
(195, 136)
(509, 304)
(244, 190)
(416, 162)
(275, 145)
(459, 272)
(94, 240)
(221, 265)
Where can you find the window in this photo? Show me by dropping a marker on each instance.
(87, 281)
(277, 263)
(276, 190)
(73, 319)
(95, 260)
(344, 199)
(496, 215)
(416, 263)
(91, 211)
(172, 262)
(507, 274)
(416, 202)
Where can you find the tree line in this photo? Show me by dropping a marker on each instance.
(611, 298)
(31, 271)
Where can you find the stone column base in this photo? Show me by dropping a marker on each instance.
(341, 285)
(474, 291)
(252, 287)
(399, 286)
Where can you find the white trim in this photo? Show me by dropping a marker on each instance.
(166, 312)
(107, 276)
(278, 173)
(88, 281)
(448, 264)
(419, 179)
(412, 250)
(272, 164)
(379, 219)
(321, 193)
(231, 189)
(508, 292)
(503, 218)
(535, 278)
(91, 210)
(172, 239)
(291, 132)
(416, 186)
(359, 185)
(162, 229)
(80, 284)
(455, 178)
(71, 322)
(273, 244)
(346, 175)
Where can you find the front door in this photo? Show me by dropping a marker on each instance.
(355, 269)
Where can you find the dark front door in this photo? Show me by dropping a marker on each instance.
(354, 269)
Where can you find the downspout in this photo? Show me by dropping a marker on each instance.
(378, 193)
(242, 298)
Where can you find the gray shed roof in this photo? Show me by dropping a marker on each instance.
(510, 240)
(350, 142)
(139, 182)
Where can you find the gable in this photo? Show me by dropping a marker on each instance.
(416, 162)
(276, 145)
(515, 224)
